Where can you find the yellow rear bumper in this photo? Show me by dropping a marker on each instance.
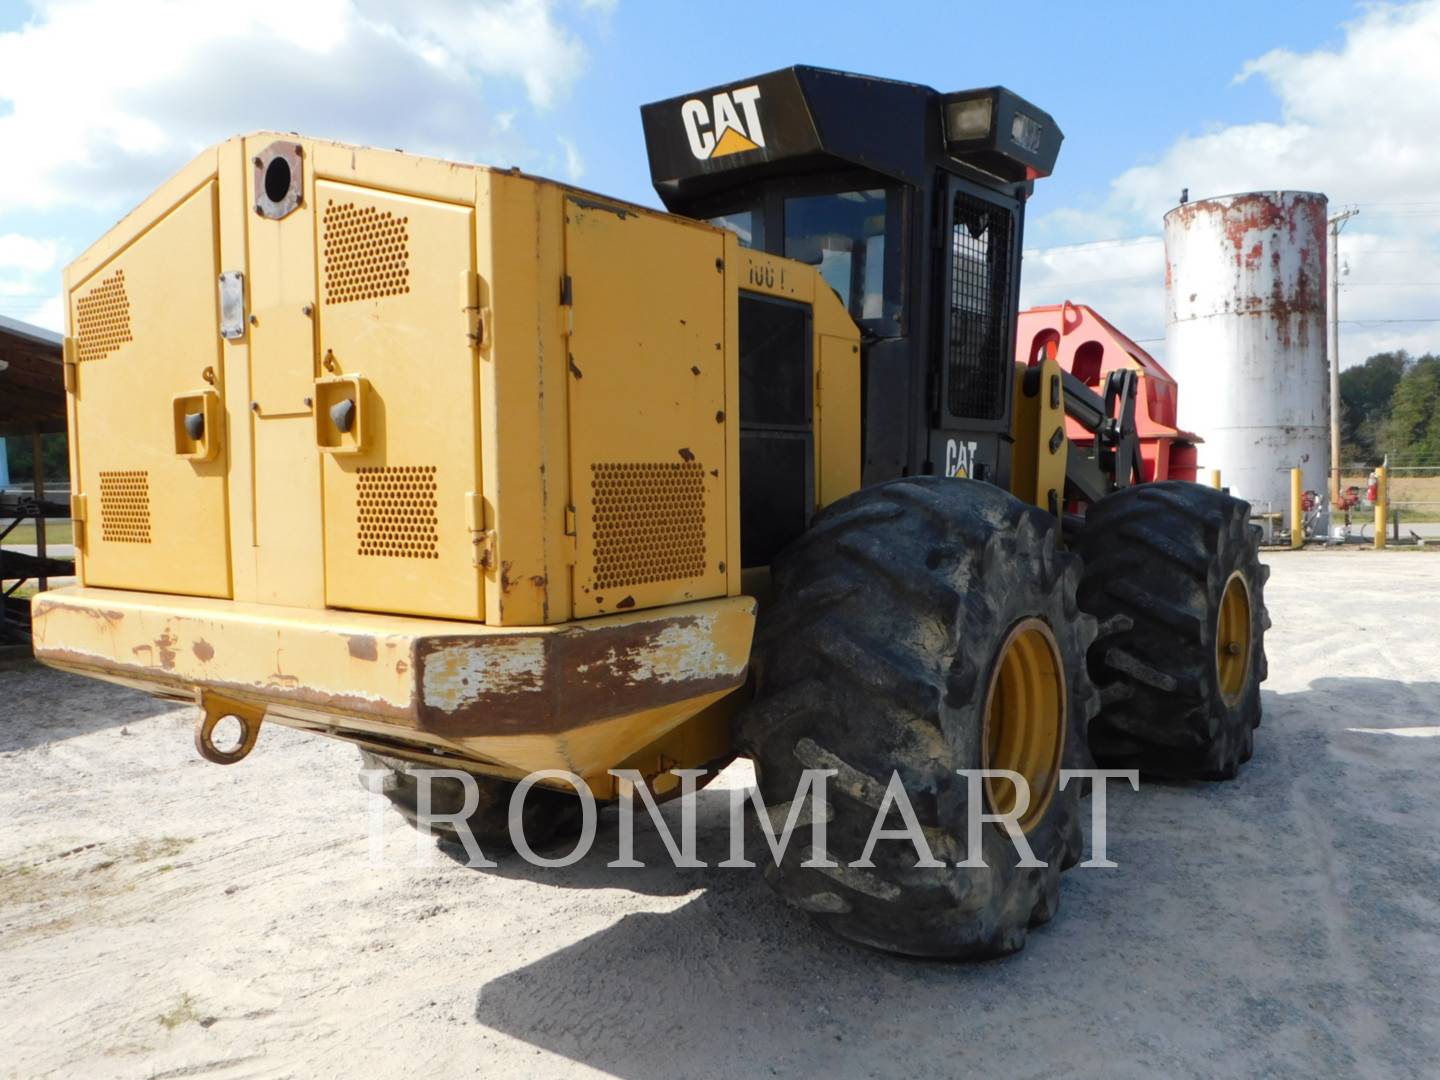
(582, 696)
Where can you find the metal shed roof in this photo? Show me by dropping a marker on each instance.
(32, 379)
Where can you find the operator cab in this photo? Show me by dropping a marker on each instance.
(910, 203)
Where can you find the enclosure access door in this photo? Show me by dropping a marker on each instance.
(396, 403)
(149, 429)
(647, 408)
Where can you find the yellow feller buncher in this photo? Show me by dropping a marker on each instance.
(481, 471)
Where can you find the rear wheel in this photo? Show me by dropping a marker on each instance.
(921, 627)
(549, 815)
(1173, 573)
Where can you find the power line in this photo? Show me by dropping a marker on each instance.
(1343, 322)
(1116, 242)
(1378, 322)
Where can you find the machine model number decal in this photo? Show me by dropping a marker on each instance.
(765, 276)
(717, 130)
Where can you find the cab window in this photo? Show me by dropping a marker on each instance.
(844, 235)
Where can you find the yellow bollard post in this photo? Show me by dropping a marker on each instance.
(1215, 479)
(1297, 510)
(1382, 506)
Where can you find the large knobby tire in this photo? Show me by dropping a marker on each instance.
(548, 817)
(1180, 693)
(875, 658)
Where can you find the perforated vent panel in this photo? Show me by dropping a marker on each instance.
(397, 509)
(366, 251)
(102, 316)
(125, 506)
(649, 522)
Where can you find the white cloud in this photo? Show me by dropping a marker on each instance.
(1115, 277)
(105, 99)
(29, 286)
(574, 163)
(1358, 123)
(27, 254)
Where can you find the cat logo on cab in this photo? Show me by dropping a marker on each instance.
(717, 130)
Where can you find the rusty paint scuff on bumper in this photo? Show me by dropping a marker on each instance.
(608, 684)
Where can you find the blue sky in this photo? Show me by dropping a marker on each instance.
(101, 99)
(1122, 80)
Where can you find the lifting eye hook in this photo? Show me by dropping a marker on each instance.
(212, 711)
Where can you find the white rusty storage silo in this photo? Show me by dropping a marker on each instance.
(1245, 338)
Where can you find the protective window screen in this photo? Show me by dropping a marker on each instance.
(979, 309)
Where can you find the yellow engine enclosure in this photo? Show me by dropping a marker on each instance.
(529, 517)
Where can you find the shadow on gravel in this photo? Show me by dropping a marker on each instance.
(1238, 937)
(40, 705)
(658, 877)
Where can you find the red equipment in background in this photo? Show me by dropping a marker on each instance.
(1089, 348)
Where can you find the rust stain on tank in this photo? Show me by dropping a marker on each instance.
(1247, 214)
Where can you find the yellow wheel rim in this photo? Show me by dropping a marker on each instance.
(1232, 639)
(1025, 720)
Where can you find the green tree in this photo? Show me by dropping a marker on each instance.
(22, 464)
(1413, 431)
(1365, 394)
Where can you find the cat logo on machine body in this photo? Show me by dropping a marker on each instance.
(730, 124)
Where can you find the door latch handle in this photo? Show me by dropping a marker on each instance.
(342, 414)
(197, 425)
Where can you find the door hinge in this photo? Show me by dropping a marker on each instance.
(567, 301)
(476, 316)
(570, 521)
(68, 356)
(483, 542)
(77, 519)
(482, 537)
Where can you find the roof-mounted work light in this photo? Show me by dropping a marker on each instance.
(1000, 132)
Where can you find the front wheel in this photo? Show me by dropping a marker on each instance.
(1173, 574)
(921, 627)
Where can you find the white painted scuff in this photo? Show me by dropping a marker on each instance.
(457, 675)
(682, 652)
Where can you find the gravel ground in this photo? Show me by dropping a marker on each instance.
(161, 917)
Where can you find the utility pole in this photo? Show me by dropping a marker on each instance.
(1336, 224)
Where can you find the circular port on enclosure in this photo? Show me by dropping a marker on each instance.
(277, 180)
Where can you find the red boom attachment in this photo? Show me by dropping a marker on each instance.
(1089, 348)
